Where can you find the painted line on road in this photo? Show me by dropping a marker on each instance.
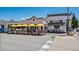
(46, 46)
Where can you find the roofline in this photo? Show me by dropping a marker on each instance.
(62, 14)
(35, 17)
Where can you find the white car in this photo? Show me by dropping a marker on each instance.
(59, 31)
(51, 30)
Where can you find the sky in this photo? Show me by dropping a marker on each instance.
(22, 13)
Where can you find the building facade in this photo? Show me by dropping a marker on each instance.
(57, 22)
(53, 22)
(4, 24)
(32, 26)
(35, 20)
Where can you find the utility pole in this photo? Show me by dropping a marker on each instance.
(67, 23)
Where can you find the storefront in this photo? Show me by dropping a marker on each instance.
(57, 22)
(38, 29)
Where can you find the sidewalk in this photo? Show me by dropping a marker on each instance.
(65, 43)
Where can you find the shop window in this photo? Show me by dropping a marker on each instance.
(61, 21)
(57, 26)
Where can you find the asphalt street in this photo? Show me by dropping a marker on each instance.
(14, 42)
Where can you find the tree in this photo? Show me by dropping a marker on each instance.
(74, 22)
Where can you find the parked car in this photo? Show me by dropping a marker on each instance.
(56, 31)
(51, 30)
(59, 31)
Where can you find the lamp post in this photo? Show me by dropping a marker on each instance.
(67, 23)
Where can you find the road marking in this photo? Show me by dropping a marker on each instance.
(46, 46)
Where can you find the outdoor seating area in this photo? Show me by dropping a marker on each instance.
(28, 29)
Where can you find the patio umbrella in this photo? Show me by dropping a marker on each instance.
(18, 25)
(25, 25)
(13, 25)
(40, 25)
(31, 25)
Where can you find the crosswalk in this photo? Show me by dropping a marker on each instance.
(46, 46)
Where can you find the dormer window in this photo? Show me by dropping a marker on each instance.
(33, 19)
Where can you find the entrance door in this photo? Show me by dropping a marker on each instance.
(2, 28)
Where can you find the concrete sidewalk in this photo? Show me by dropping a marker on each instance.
(65, 43)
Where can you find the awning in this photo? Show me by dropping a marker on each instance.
(40, 25)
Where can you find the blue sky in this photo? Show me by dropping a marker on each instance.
(21, 13)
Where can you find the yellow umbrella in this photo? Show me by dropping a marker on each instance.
(40, 25)
(19, 25)
(31, 25)
(24, 25)
(13, 25)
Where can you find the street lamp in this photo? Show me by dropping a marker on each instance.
(67, 23)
